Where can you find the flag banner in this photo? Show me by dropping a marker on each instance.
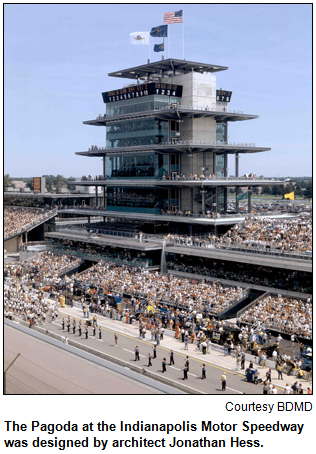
(159, 47)
(175, 17)
(159, 32)
(290, 196)
(139, 38)
(242, 196)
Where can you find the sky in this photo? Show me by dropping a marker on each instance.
(57, 59)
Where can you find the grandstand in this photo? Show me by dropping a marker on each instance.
(159, 232)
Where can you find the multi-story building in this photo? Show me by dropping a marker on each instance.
(165, 170)
(167, 147)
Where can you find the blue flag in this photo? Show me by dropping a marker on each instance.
(159, 48)
(159, 32)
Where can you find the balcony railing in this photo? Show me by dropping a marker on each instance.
(201, 142)
(208, 109)
(183, 142)
(180, 106)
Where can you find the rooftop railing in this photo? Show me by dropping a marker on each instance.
(183, 142)
(182, 178)
(88, 232)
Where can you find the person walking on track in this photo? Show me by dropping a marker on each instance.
(136, 353)
(115, 339)
(223, 380)
(163, 363)
(79, 328)
(149, 360)
(100, 333)
(203, 371)
(171, 354)
(185, 372)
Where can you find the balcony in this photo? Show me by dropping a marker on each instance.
(176, 111)
(184, 146)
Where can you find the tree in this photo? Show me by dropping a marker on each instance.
(289, 188)
(49, 182)
(59, 181)
(308, 193)
(277, 190)
(71, 186)
(7, 181)
(266, 190)
(29, 183)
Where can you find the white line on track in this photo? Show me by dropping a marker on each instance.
(234, 390)
(171, 367)
(189, 373)
(133, 352)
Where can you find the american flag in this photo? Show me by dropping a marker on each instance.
(176, 17)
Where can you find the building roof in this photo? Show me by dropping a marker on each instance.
(223, 220)
(126, 243)
(169, 67)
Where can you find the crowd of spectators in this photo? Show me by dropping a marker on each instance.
(186, 293)
(255, 234)
(90, 178)
(45, 266)
(100, 251)
(29, 303)
(183, 300)
(286, 314)
(298, 281)
(199, 177)
(204, 214)
(206, 241)
(17, 219)
(282, 235)
(130, 196)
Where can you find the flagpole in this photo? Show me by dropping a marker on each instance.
(163, 40)
(168, 42)
(182, 35)
(149, 46)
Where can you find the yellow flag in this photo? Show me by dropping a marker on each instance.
(290, 196)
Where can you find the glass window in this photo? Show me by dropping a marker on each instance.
(221, 132)
(134, 199)
(220, 166)
(150, 131)
(143, 104)
(143, 165)
(174, 162)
